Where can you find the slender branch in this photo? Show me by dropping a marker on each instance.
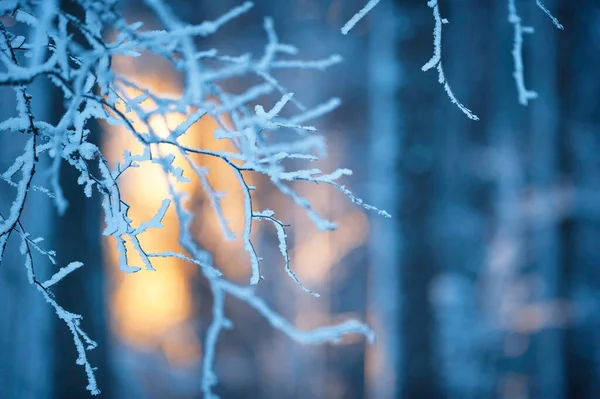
(358, 16)
(436, 59)
(93, 89)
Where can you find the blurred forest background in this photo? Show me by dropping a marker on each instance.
(484, 284)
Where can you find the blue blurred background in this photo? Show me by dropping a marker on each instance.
(484, 284)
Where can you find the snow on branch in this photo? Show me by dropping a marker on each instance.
(92, 90)
(517, 51)
(358, 16)
(436, 59)
(549, 14)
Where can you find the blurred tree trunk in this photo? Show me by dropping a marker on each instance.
(462, 202)
(545, 114)
(579, 87)
(25, 342)
(77, 237)
(418, 149)
(506, 246)
(382, 366)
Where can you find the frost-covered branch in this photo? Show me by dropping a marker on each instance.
(359, 15)
(517, 51)
(436, 59)
(265, 123)
(549, 14)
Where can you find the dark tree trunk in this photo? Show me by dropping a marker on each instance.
(77, 237)
(579, 48)
(383, 365)
(416, 206)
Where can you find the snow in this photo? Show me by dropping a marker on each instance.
(436, 59)
(358, 16)
(94, 91)
(517, 51)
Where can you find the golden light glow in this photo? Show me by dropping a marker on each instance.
(316, 254)
(153, 309)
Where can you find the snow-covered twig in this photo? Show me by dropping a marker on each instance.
(517, 51)
(93, 90)
(436, 59)
(358, 16)
(555, 20)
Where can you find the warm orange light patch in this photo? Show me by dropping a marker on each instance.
(153, 309)
(316, 254)
(147, 305)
